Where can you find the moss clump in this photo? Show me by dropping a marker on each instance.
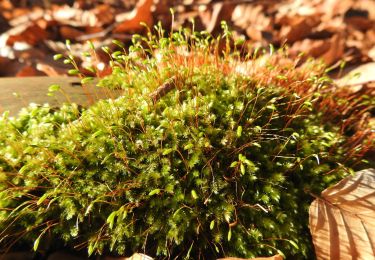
(223, 163)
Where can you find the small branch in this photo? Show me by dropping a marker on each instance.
(163, 89)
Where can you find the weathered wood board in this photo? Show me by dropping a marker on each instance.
(16, 93)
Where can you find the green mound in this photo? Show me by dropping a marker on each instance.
(220, 163)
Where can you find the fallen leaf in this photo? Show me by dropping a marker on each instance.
(8, 67)
(332, 8)
(368, 5)
(342, 220)
(358, 75)
(32, 15)
(161, 12)
(68, 32)
(104, 13)
(92, 30)
(49, 70)
(335, 51)
(28, 33)
(253, 19)
(221, 11)
(29, 71)
(298, 28)
(15, 12)
(296, 8)
(311, 48)
(4, 25)
(358, 18)
(28, 53)
(131, 21)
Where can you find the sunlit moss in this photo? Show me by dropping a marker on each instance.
(224, 163)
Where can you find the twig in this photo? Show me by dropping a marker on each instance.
(163, 89)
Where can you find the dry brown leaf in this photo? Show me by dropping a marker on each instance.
(298, 28)
(92, 30)
(34, 14)
(342, 220)
(104, 13)
(336, 50)
(358, 76)
(297, 8)
(68, 32)
(161, 12)
(28, 33)
(313, 48)
(368, 5)
(16, 12)
(220, 11)
(4, 25)
(8, 67)
(49, 70)
(332, 8)
(131, 21)
(253, 19)
(29, 54)
(29, 71)
(358, 18)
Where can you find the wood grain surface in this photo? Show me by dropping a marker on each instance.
(16, 93)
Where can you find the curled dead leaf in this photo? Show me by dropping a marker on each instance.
(335, 51)
(131, 21)
(313, 48)
(342, 220)
(298, 28)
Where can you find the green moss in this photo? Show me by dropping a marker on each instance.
(223, 164)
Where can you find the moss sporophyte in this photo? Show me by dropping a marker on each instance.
(203, 155)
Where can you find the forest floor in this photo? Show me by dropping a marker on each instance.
(31, 32)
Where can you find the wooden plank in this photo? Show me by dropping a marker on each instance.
(35, 90)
